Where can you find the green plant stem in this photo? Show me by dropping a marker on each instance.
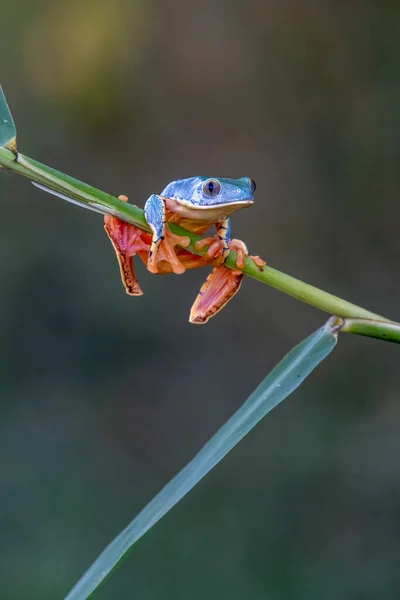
(105, 203)
(382, 330)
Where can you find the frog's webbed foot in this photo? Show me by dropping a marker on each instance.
(163, 240)
(165, 251)
(187, 259)
(220, 286)
(127, 241)
(223, 283)
(241, 250)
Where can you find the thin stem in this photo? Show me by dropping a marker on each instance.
(383, 330)
(103, 202)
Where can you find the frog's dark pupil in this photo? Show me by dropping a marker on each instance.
(211, 188)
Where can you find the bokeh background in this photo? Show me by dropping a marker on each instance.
(105, 397)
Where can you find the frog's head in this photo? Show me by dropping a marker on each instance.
(209, 198)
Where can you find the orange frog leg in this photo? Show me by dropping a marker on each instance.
(163, 240)
(223, 283)
(221, 244)
(187, 259)
(220, 286)
(127, 241)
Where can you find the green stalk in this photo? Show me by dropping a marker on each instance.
(105, 203)
(382, 330)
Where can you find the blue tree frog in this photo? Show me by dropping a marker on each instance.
(195, 203)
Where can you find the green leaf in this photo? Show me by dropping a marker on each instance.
(8, 132)
(281, 382)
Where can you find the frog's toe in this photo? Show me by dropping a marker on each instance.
(220, 286)
(164, 250)
(258, 261)
(241, 250)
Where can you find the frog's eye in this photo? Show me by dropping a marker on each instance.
(252, 186)
(211, 187)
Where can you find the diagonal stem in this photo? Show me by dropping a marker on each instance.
(106, 203)
(383, 330)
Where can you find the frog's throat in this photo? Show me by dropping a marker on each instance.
(218, 212)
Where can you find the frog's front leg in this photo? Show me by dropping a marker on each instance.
(241, 250)
(224, 234)
(163, 240)
(221, 244)
(218, 245)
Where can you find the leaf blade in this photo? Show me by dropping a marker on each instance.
(8, 132)
(278, 384)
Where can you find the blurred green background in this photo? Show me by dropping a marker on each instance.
(105, 397)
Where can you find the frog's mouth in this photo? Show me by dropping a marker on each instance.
(224, 205)
(206, 212)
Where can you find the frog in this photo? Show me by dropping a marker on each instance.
(195, 204)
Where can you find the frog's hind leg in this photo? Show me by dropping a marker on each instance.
(220, 286)
(163, 240)
(127, 241)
